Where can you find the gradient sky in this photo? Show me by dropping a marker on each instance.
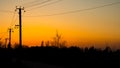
(91, 26)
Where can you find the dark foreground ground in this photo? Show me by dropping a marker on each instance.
(54, 57)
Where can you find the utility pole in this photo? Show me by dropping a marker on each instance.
(9, 45)
(20, 24)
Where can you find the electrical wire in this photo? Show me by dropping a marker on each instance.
(6, 11)
(37, 4)
(45, 5)
(76, 11)
(12, 19)
(31, 2)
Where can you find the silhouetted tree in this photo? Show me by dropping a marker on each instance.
(1, 45)
(16, 45)
(107, 49)
(42, 43)
(47, 43)
(57, 40)
(63, 44)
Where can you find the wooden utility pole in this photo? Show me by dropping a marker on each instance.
(20, 24)
(9, 45)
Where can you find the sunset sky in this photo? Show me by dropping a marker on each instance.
(40, 22)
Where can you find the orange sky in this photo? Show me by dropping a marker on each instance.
(98, 25)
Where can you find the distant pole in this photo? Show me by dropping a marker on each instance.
(20, 25)
(9, 45)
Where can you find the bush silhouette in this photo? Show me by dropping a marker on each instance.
(64, 56)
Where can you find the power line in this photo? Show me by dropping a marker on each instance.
(45, 5)
(76, 11)
(32, 2)
(10, 32)
(11, 24)
(6, 11)
(12, 19)
(38, 4)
